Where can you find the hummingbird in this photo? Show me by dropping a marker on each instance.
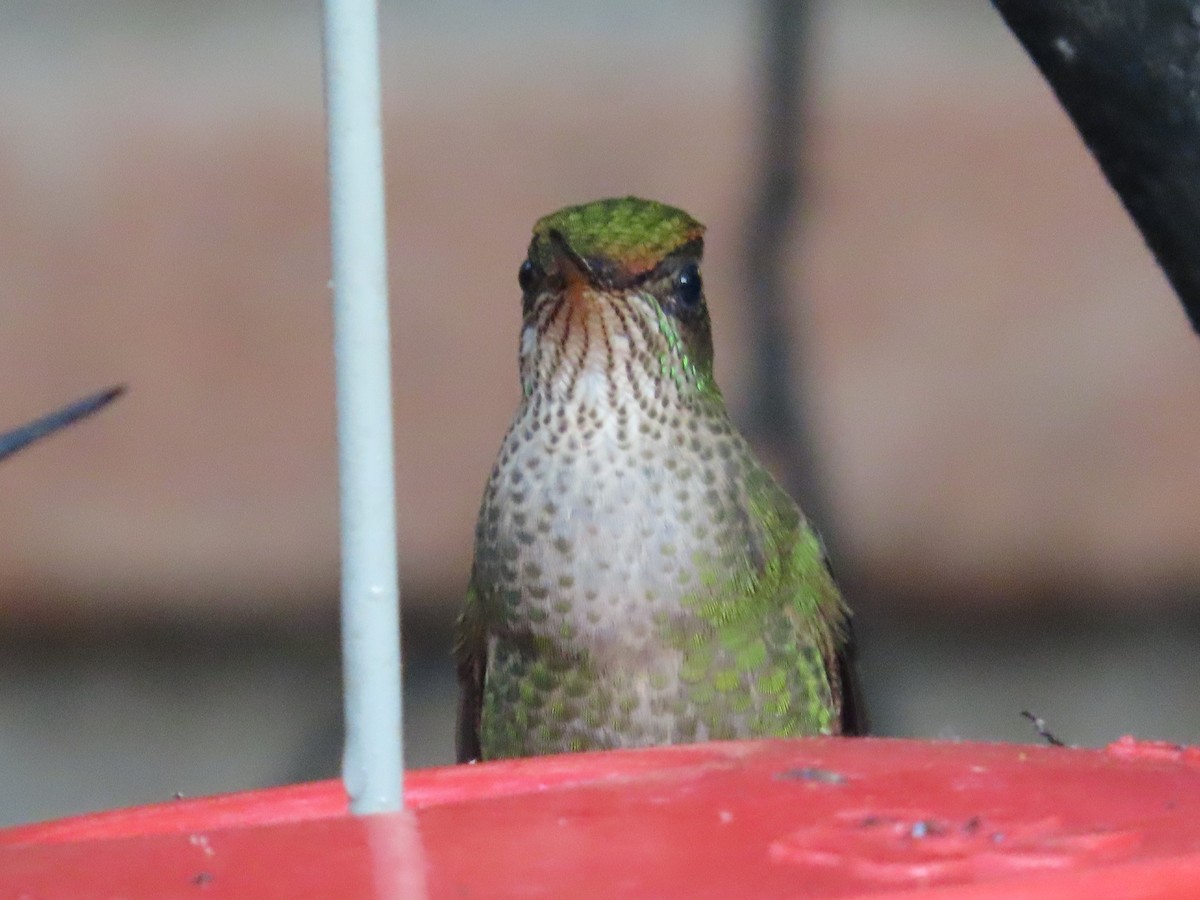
(639, 578)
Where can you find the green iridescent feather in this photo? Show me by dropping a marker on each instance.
(627, 232)
(774, 619)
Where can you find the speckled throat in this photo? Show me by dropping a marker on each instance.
(639, 578)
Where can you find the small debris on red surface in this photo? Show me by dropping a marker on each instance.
(1129, 747)
(822, 817)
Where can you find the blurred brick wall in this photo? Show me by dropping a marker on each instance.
(1006, 390)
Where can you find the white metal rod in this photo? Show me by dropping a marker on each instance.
(373, 766)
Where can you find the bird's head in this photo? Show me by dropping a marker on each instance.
(613, 306)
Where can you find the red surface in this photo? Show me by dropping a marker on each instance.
(827, 817)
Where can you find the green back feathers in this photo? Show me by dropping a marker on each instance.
(626, 236)
(776, 621)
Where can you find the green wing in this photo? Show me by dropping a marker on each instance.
(470, 653)
(853, 708)
(793, 569)
(839, 650)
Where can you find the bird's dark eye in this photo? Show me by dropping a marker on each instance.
(527, 275)
(688, 286)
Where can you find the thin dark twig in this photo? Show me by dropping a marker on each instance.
(1043, 731)
(24, 435)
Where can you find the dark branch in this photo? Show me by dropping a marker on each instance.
(1128, 74)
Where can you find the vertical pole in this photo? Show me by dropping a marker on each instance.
(373, 766)
(779, 416)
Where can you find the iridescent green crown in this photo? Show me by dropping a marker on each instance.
(627, 233)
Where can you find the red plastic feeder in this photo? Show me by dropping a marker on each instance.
(814, 818)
